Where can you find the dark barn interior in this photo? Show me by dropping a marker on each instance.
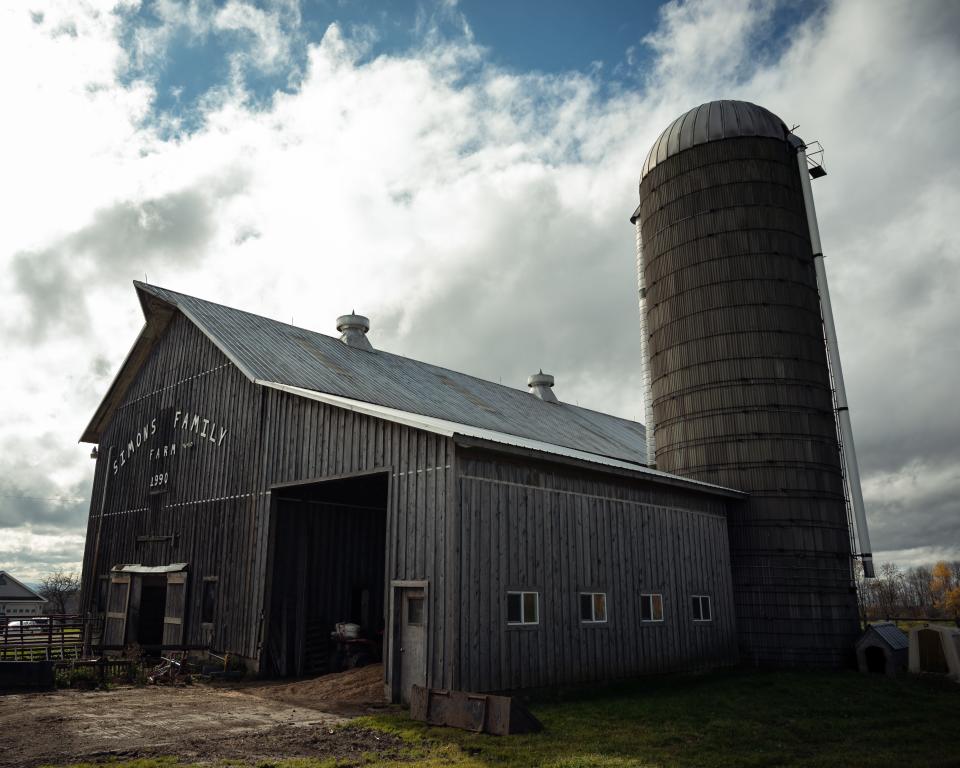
(153, 599)
(328, 567)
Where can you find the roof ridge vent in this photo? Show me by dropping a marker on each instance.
(353, 331)
(541, 385)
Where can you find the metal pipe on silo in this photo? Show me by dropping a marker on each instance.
(644, 354)
(840, 393)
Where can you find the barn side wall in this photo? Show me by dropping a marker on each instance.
(215, 509)
(559, 531)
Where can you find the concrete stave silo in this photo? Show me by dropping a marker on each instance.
(740, 388)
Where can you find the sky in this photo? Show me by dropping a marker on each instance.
(462, 174)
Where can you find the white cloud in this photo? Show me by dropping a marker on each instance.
(30, 555)
(480, 221)
(270, 30)
(709, 44)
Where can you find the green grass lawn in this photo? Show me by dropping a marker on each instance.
(722, 719)
(733, 718)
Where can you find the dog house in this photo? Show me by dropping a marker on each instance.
(882, 649)
(935, 650)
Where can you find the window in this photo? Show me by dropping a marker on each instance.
(415, 610)
(701, 607)
(208, 600)
(523, 607)
(593, 607)
(651, 607)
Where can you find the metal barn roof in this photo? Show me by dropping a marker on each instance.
(281, 356)
(712, 121)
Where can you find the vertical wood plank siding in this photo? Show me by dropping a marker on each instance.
(741, 389)
(217, 509)
(533, 526)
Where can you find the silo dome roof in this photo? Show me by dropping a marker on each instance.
(712, 121)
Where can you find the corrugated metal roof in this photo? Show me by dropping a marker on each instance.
(710, 122)
(271, 351)
(895, 637)
(451, 429)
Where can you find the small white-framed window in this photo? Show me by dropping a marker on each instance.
(651, 606)
(701, 607)
(523, 608)
(593, 607)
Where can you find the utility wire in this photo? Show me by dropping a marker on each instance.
(39, 498)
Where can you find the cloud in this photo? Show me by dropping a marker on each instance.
(477, 215)
(42, 489)
(271, 43)
(31, 555)
(127, 239)
(914, 505)
(708, 45)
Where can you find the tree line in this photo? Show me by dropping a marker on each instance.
(931, 592)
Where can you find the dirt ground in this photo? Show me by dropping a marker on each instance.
(248, 721)
(352, 692)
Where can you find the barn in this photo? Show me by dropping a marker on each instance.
(258, 483)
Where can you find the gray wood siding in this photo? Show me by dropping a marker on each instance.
(561, 532)
(217, 508)
(470, 530)
(306, 440)
(214, 508)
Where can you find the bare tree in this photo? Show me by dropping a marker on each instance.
(58, 588)
(889, 589)
(918, 594)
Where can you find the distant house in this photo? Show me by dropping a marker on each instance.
(17, 599)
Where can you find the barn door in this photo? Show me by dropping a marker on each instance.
(115, 622)
(175, 610)
(413, 641)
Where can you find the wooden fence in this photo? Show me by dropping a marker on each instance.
(36, 638)
(102, 668)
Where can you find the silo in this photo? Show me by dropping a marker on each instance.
(740, 386)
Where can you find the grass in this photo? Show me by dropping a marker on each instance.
(725, 719)
(734, 718)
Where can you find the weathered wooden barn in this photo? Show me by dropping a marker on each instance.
(257, 483)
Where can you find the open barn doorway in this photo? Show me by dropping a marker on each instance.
(328, 563)
(153, 601)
